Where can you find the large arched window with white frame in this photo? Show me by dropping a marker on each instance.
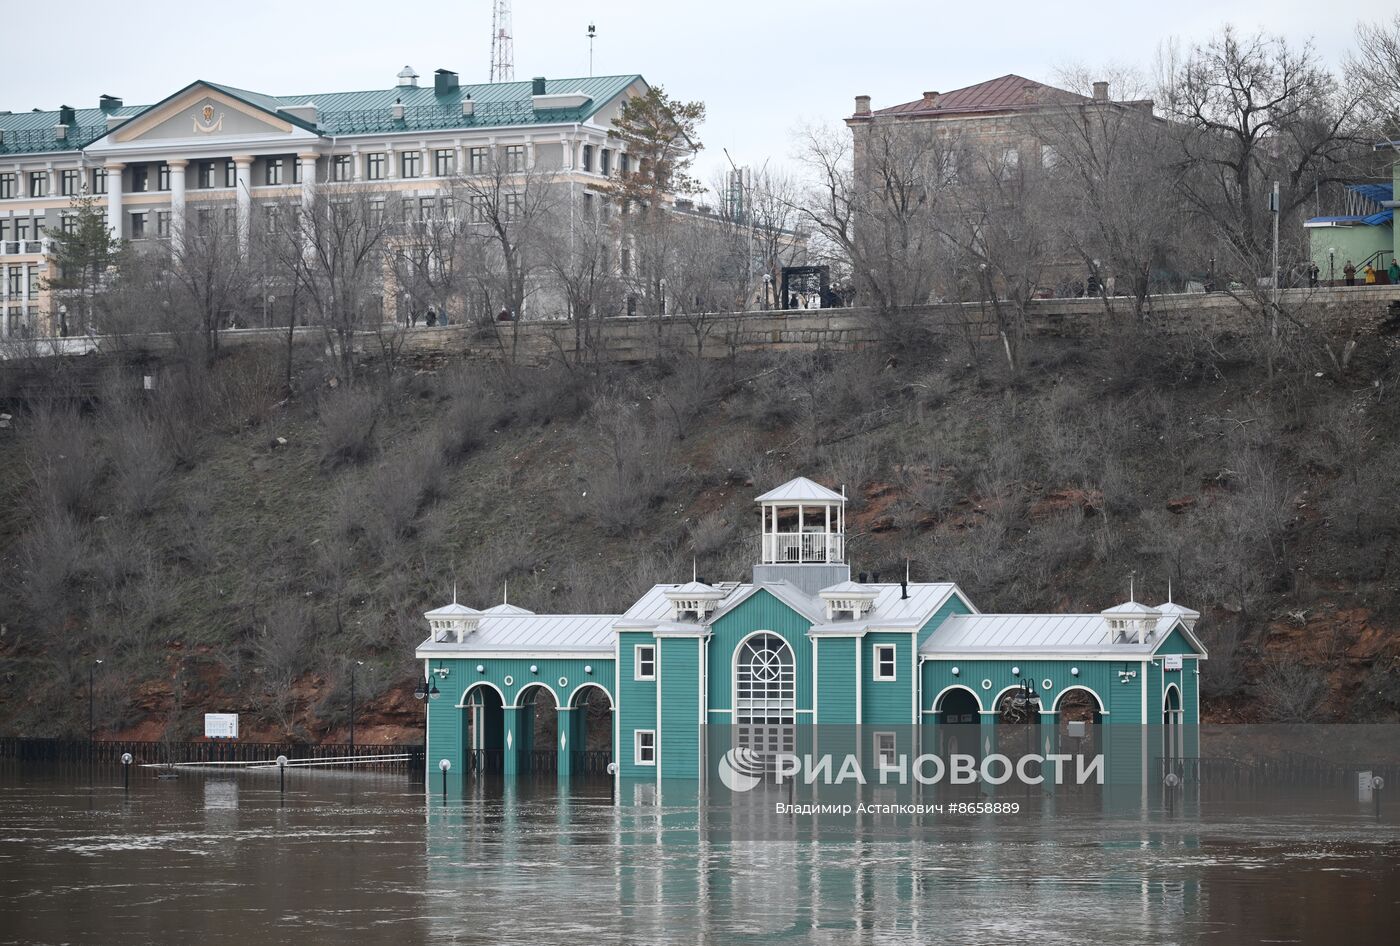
(765, 693)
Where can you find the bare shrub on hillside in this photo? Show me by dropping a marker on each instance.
(853, 464)
(710, 533)
(628, 467)
(63, 460)
(1290, 690)
(469, 414)
(685, 393)
(141, 465)
(281, 647)
(52, 555)
(348, 421)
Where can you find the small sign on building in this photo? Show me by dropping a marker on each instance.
(1172, 661)
(221, 725)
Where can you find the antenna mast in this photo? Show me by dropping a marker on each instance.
(502, 46)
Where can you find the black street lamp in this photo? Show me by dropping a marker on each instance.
(92, 724)
(420, 692)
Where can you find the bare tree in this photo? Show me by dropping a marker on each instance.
(1373, 72)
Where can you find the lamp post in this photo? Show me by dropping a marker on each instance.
(92, 718)
(358, 663)
(1331, 265)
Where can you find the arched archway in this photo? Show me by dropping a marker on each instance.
(958, 712)
(590, 730)
(765, 693)
(483, 727)
(538, 728)
(1173, 716)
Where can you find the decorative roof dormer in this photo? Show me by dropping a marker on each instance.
(453, 622)
(1173, 610)
(694, 601)
(804, 523)
(1131, 622)
(848, 601)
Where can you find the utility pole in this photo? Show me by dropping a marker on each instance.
(592, 34)
(358, 663)
(1274, 209)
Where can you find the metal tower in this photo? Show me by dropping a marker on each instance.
(502, 48)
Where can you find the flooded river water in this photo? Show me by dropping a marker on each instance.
(219, 858)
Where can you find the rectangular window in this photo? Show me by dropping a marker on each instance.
(230, 220)
(410, 163)
(69, 183)
(604, 162)
(22, 229)
(626, 261)
(8, 185)
(425, 208)
(588, 157)
(99, 180)
(515, 157)
(273, 171)
(374, 166)
(885, 661)
(162, 223)
(644, 752)
(645, 667)
(1010, 158)
(1049, 157)
(885, 748)
(39, 184)
(476, 208)
(512, 206)
(4, 229)
(296, 171)
(140, 179)
(206, 174)
(443, 163)
(163, 177)
(230, 174)
(16, 274)
(204, 220)
(477, 161)
(68, 223)
(406, 210)
(341, 168)
(376, 212)
(270, 218)
(138, 225)
(624, 163)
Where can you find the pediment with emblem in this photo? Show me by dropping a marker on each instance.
(198, 114)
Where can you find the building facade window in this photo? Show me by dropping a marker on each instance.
(163, 177)
(765, 694)
(341, 167)
(425, 208)
(604, 162)
(99, 180)
(38, 183)
(411, 163)
(230, 174)
(374, 166)
(8, 185)
(644, 747)
(476, 208)
(163, 223)
(204, 221)
(68, 223)
(140, 179)
(624, 163)
(296, 171)
(16, 274)
(273, 171)
(1049, 157)
(68, 182)
(644, 667)
(885, 748)
(588, 157)
(271, 217)
(443, 163)
(512, 206)
(206, 174)
(515, 158)
(885, 668)
(476, 160)
(376, 212)
(22, 229)
(138, 225)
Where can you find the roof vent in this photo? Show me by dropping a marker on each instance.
(408, 78)
(109, 103)
(468, 106)
(66, 115)
(444, 82)
(848, 600)
(1100, 91)
(693, 601)
(398, 110)
(537, 85)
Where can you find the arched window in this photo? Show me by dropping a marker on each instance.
(765, 694)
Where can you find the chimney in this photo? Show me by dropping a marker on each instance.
(444, 82)
(1028, 94)
(930, 100)
(468, 106)
(408, 79)
(904, 589)
(1100, 91)
(862, 105)
(109, 103)
(537, 85)
(398, 110)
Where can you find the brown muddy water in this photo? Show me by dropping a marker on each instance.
(216, 858)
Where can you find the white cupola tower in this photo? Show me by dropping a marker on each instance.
(452, 623)
(1131, 622)
(803, 538)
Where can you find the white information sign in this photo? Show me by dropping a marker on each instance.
(221, 725)
(1172, 661)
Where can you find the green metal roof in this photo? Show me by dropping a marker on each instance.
(347, 113)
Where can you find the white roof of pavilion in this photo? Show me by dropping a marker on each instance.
(531, 633)
(801, 490)
(1029, 635)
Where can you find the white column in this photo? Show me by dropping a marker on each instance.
(308, 178)
(567, 149)
(357, 172)
(243, 196)
(391, 159)
(114, 200)
(461, 166)
(529, 153)
(177, 204)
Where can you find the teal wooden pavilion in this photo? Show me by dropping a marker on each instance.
(803, 644)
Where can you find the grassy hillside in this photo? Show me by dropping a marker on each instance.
(221, 545)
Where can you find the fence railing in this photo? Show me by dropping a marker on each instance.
(803, 547)
(407, 758)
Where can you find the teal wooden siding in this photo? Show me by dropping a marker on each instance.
(1097, 676)
(445, 724)
(1176, 643)
(836, 681)
(887, 702)
(953, 605)
(760, 612)
(636, 705)
(679, 672)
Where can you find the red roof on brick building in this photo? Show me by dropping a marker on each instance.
(1005, 94)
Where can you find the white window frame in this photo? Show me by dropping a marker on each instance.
(637, 662)
(881, 752)
(893, 661)
(637, 735)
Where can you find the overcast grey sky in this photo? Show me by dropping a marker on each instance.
(762, 68)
